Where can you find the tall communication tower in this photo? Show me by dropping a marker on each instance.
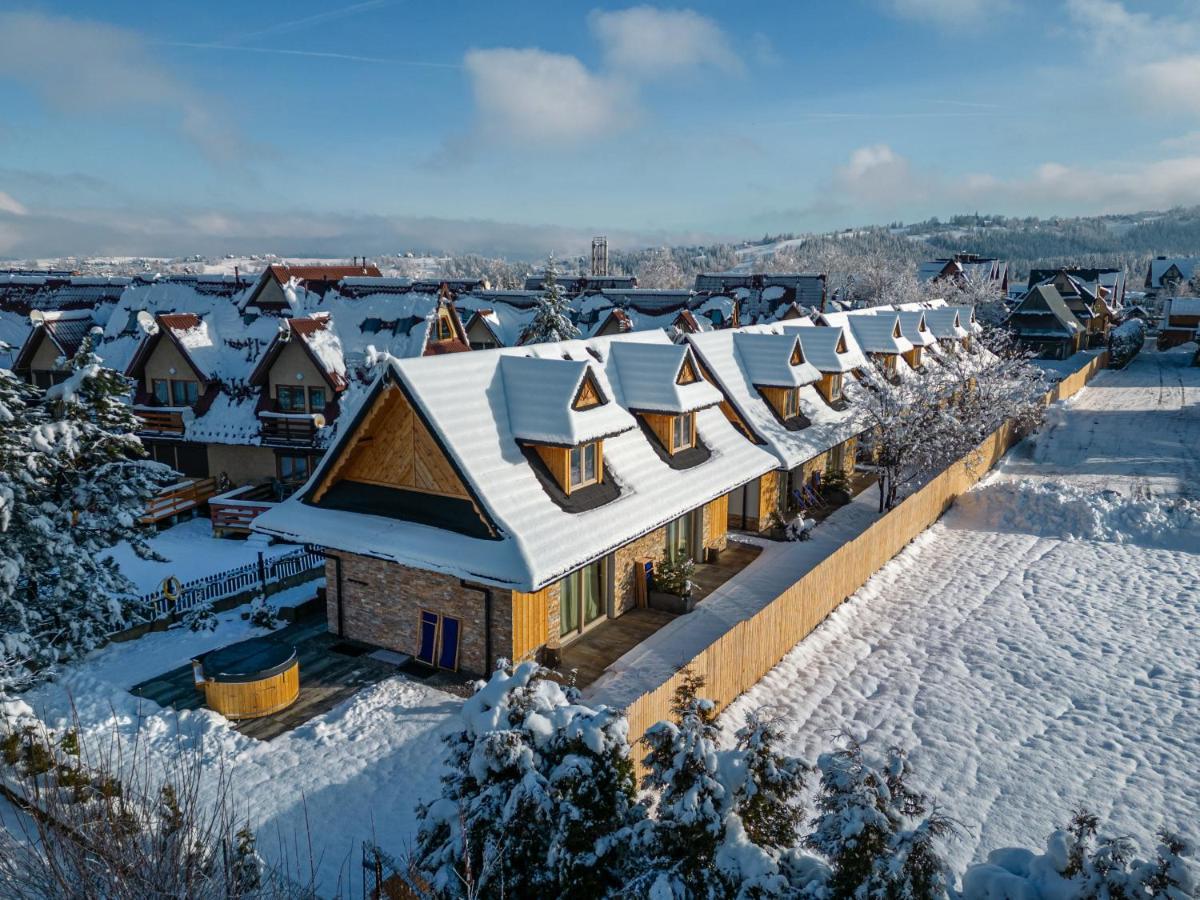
(600, 255)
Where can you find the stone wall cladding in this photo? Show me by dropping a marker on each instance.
(382, 601)
(650, 546)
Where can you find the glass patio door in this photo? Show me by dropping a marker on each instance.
(581, 600)
(679, 537)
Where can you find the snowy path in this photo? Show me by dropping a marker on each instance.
(1027, 672)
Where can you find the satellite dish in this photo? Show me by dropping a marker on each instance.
(146, 322)
(36, 316)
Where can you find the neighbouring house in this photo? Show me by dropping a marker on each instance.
(271, 290)
(1180, 322)
(498, 504)
(1167, 274)
(764, 297)
(24, 292)
(967, 268)
(55, 338)
(1043, 322)
(1086, 297)
(878, 335)
(776, 396)
(916, 331)
(583, 284)
(945, 323)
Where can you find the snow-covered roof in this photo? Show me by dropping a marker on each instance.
(826, 347)
(718, 352)
(542, 393)
(945, 323)
(1044, 313)
(1183, 306)
(773, 359)
(466, 401)
(650, 372)
(878, 332)
(1160, 266)
(914, 327)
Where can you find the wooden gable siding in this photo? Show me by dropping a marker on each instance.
(825, 386)
(530, 621)
(716, 520)
(393, 448)
(687, 372)
(913, 357)
(663, 426)
(589, 394)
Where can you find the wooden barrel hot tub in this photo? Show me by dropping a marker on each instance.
(249, 680)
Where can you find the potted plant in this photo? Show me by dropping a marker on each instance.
(672, 590)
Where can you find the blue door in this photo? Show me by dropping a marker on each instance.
(448, 658)
(428, 637)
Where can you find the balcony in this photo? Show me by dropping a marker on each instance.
(181, 497)
(289, 429)
(162, 420)
(233, 511)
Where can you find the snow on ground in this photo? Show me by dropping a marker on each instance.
(191, 551)
(352, 774)
(1036, 649)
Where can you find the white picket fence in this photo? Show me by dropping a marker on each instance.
(219, 585)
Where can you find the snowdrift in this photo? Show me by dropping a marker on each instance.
(1069, 512)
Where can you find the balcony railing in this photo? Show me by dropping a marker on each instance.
(233, 511)
(180, 497)
(289, 429)
(161, 420)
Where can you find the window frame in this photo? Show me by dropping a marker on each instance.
(291, 478)
(291, 392)
(583, 451)
(791, 403)
(683, 431)
(165, 383)
(189, 389)
(445, 330)
(317, 391)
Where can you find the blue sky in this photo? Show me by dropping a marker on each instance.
(329, 127)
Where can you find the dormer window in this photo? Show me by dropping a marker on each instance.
(831, 386)
(584, 467)
(791, 403)
(445, 331)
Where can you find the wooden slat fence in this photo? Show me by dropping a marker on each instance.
(221, 585)
(751, 648)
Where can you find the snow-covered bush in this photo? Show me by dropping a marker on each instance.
(1079, 865)
(674, 576)
(1125, 342)
(201, 617)
(538, 799)
(263, 614)
(73, 483)
(799, 529)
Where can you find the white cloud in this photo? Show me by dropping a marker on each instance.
(84, 67)
(947, 12)
(1169, 85)
(538, 96)
(10, 204)
(877, 175)
(644, 40)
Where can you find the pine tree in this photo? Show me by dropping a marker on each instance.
(1171, 875)
(683, 770)
(552, 317)
(766, 800)
(73, 483)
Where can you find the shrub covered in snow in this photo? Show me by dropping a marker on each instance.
(1125, 341)
(201, 617)
(674, 576)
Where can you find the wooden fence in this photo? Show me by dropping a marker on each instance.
(178, 498)
(751, 648)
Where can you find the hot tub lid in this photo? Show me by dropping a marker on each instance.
(247, 661)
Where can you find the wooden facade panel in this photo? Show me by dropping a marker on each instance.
(768, 498)
(558, 461)
(716, 520)
(394, 448)
(531, 621)
(663, 427)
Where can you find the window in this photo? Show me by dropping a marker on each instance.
(184, 393)
(445, 329)
(582, 599)
(835, 386)
(294, 469)
(583, 465)
(679, 537)
(291, 398)
(316, 399)
(438, 638)
(791, 403)
(684, 431)
(162, 391)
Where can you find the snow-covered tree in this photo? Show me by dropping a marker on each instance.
(767, 799)
(538, 798)
(73, 483)
(660, 270)
(876, 830)
(552, 316)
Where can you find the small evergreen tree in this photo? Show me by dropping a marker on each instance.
(552, 317)
(766, 801)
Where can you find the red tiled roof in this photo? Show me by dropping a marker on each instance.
(323, 273)
(179, 321)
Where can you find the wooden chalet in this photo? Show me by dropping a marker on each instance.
(1167, 274)
(502, 503)
(56, 337)
(782, 387)
(967, 267)
(878, 335)
(1043, 322)
(269, 291)
(1086, 297)
(764, 297)
(1180, 322)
